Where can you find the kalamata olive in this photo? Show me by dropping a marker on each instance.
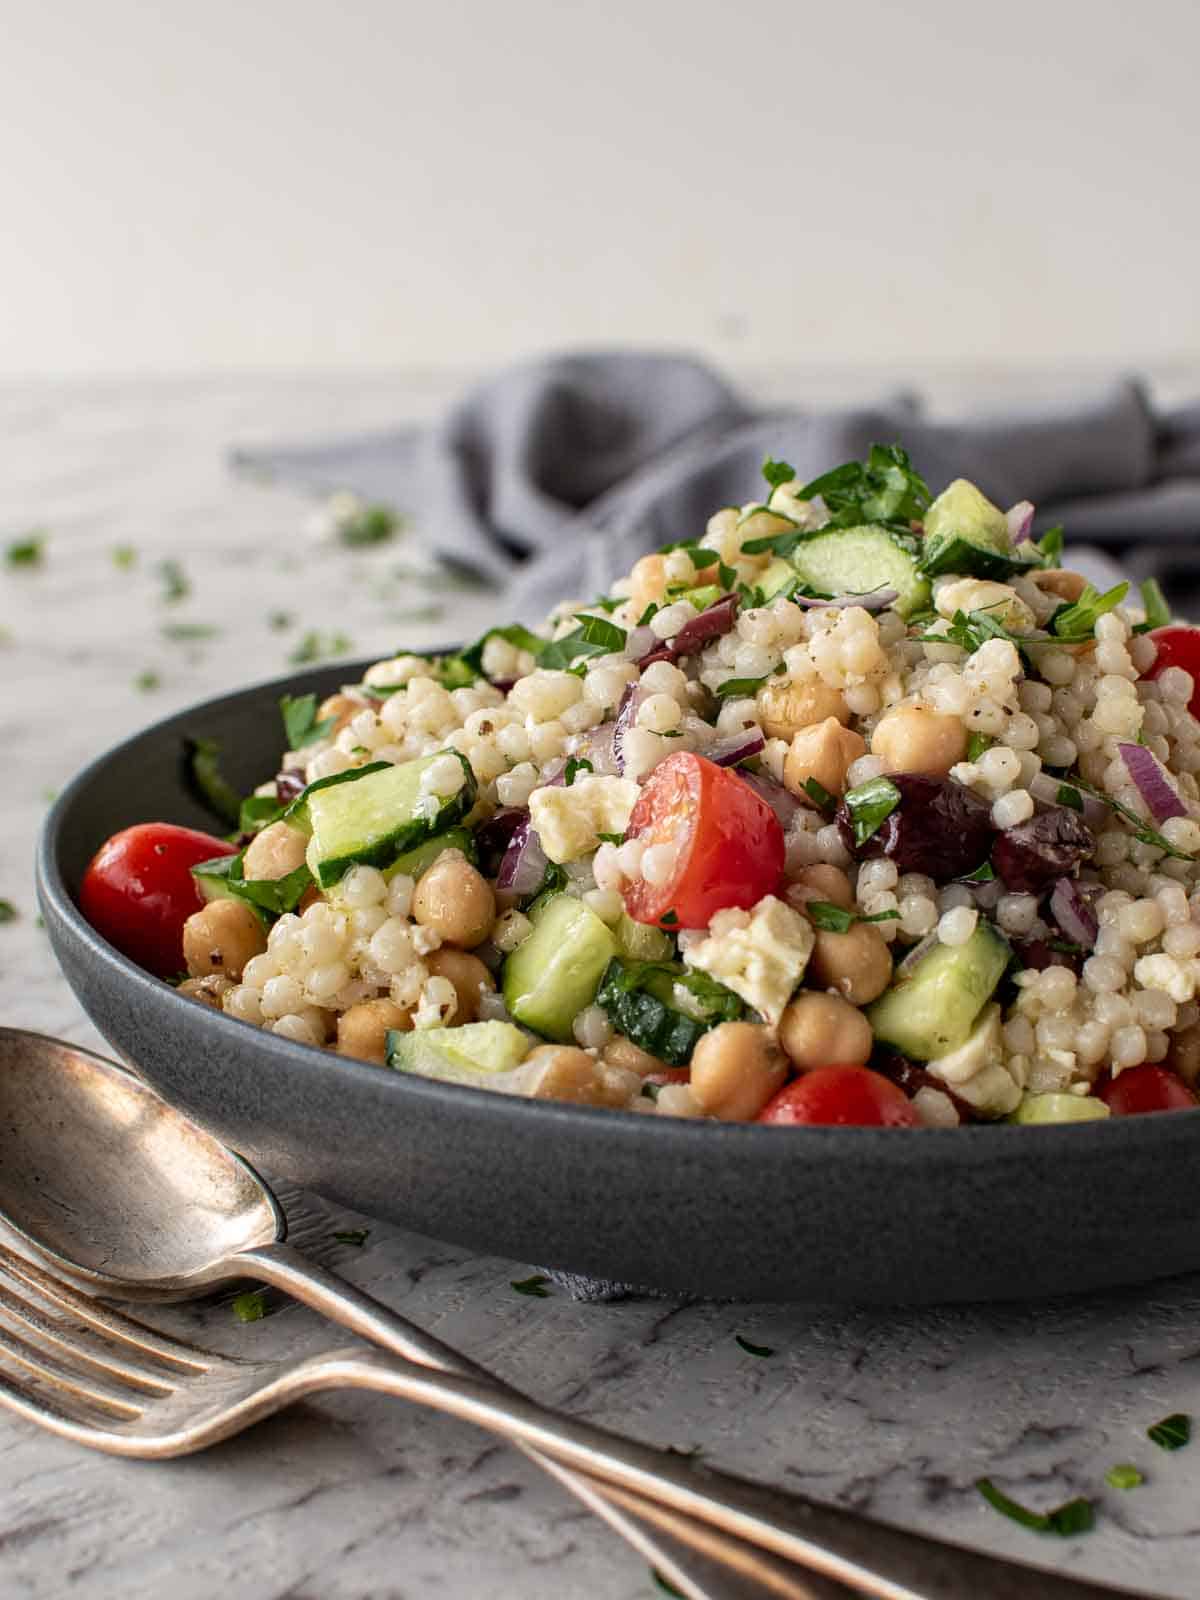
(909, 1077)
(940, 828)
(1051, 845)
(1038, 954)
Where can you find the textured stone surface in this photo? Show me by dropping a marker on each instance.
(354, 1498)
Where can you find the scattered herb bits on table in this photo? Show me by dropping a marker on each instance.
(856, 806)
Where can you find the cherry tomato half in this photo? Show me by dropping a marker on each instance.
(727, 841)
(1145, 1088)
(138, 891)
(848, 1096)
(1178, 646)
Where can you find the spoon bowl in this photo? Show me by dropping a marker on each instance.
(119, 1190)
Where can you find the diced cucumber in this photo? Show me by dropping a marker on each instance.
(663, 1008)
(553, 974)
(857, 560)
(414, 862)
(483, 1053)
(1037, 1108)
(775, 577)
(703, 597)
(932, 1010)
(222, 879)
(381, 816)
(966, 534)
(637, 941)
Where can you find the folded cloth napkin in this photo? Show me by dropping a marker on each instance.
(553, 477)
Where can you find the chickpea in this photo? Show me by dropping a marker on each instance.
(471, 980)
(362, 1030)
(647, 584)
(222, 937)
(823, 752)
(786, 706)
(561, 1072)
(856, 964)
(276, 851)
(915, 739)
(820, 882)
(823, 1030)
(1059, 581)
(209, 991)
(736, 1068)
(455, 901)
(342, 707)
(622, 1052)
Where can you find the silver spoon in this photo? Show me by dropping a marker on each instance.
(114, 1189)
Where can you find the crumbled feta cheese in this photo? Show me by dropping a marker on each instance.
(976, 1071)
(570, 820)
(761, 954)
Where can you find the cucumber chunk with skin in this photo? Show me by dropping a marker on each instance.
(554, 974)
(638, 941)
(414, 862)
(775, 577)
(966, 534)
(933, 1009)
(1047, 1108)
(382, 815)
(488, 1054)
(858, 560)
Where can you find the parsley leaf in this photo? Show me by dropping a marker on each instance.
(977, 744)
(739, 686)
(300, 725)
(886, 488)
(1123, 1476)
(1142, 832)
(8, 911)
(753, 1349)
(355, 1236)
(593, 637)
(251, 1306)
(824, 914)
(1050, 546)
(1172, 1433)
(146, 681)
(1077, 622)
(669, 919)
(982, 874)
(27, 552)
(1075, 1516)
(1154, 604)
(611, 838)
(820, 796)
(316, 646)
(204, 776)
(870, 805)
(777, 472)
(175, 582)
(576, 765)
(367, 525)
(124, 556)
(535, 1287)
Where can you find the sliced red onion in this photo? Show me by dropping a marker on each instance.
(524, 864)
(493, 837)
(1071, 908)
(626, 718)
(599, 747)
(1044, 788)
(873, 600)
(917, 953)
(702, 629)
(289, 784)
(1151, 783)
(1020, 521)
(781, 801)
(728, 752)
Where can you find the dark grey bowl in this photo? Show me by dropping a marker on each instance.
(722, 1210)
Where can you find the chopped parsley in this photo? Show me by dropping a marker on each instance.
(593, 637)
(300, 723)
(885, 489)
(576, 765)
(367, 525)
(738, 686)
(251, 1306)
(124, 556)
(820, 796)
(669, 919)
(535, 1287)
(27, 552)
(1142, 832)
(8, 911)
(1154, 604)
(832, 919)
(316, 646)
(1172, 1433)
(983, 874)
(870, 805)
(1076, 623)
(203, 772)
(778, 472)
(355, 1236)
(763, 1350)
(146, 681)
(977, 744)
(611, 838)
(1123, 1476)
(1075, 1516)
(278, 621)
(189, 631)
(175, 582)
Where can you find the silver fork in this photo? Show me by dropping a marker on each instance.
(95, 1376)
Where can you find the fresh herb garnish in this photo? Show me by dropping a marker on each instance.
(146, 681)
(316, 646)
(1154, 604)
(175, 582)
(1067, 796)
(970, 630)
(1172, 1433)
(669, 919)
(870, 805)
(1050, 546)
(257, 811)
(1143, 833)
(355, 1236)
(593, 637)
(753, 1349)
(187, 631)
(611, 838)
(832, 919)
(739, 686)
(366, 525)
(203, 773)
(124, 556)
(1075, 1516)
(982, 874)
(778, 472)
(576, 765)
(278, 621)
(250, 1306)
(535, 1287)
(1123, 1476)
(977, 744)
(1074, 624)
(607, 602)
(300, 725)
(26, 552)
(820, 796)
(8, 911)
(271, 896)
(884, 489)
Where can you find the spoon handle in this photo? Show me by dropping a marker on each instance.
(703, 1562)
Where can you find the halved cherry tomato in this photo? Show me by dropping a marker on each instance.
(138, 891)
(727, 841)
(1178, 646)
(1145, 1088)
(849, 1096)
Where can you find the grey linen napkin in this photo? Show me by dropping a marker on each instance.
(553, 477)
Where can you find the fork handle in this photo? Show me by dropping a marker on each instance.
(702, 1561)
(872, 1558)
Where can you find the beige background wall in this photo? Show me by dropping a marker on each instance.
(289, 182)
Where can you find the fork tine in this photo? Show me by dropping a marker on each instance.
(69, 1343)
(25, 1280)
(66, 1378)
(63, 1411)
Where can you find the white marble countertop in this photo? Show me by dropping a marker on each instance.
(354, 1498)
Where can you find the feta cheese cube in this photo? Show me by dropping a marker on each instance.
(761, 954)
(570, 820)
